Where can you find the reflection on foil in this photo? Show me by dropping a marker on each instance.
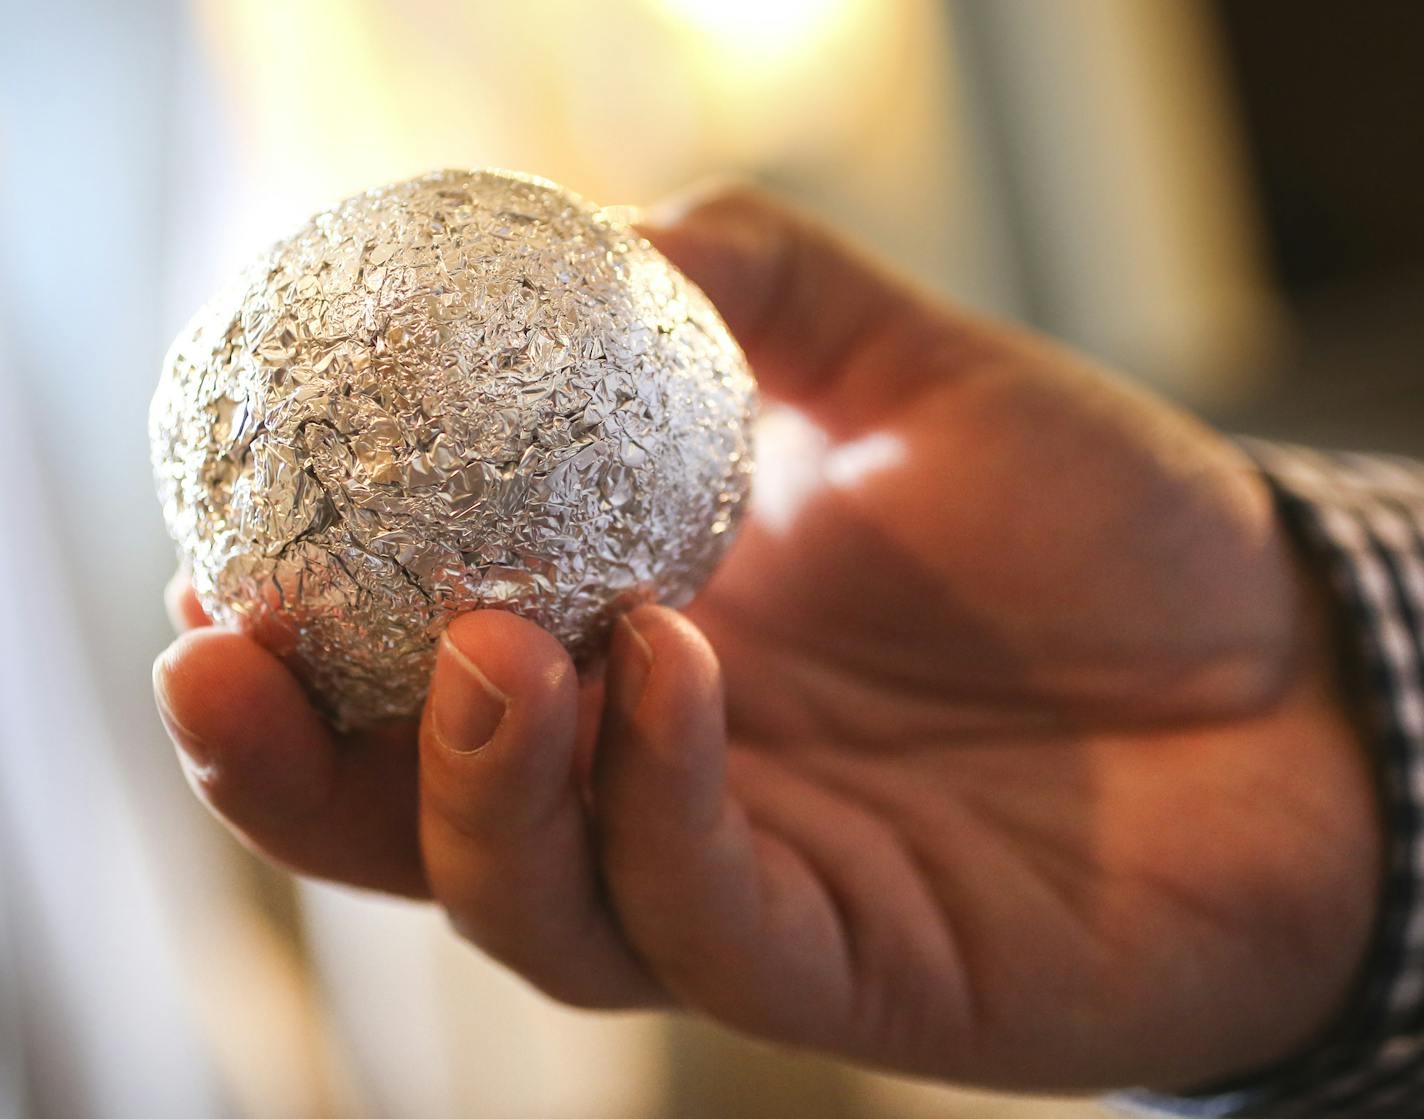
(469, 389)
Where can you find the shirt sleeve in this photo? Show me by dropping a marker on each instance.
(1360, 520)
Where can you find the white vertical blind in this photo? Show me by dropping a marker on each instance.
(97, 992)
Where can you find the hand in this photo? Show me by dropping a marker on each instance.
(1005, 747)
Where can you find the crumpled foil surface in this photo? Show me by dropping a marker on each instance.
(470, 389)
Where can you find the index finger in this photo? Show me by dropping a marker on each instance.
(827, 328)
(261, 757)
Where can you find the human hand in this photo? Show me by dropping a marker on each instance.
(1005, 746)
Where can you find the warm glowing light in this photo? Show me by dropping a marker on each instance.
(760, 27)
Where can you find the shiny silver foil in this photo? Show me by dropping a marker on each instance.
(469, 389)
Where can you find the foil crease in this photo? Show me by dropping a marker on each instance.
(470, 389)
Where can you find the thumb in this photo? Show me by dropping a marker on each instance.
(827, 329)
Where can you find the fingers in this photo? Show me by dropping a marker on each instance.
(258, 754)
(675, 891)
(826, 328)
(728, 918)
(184, 610)
(505, 832)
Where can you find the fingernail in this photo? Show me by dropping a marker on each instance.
(193, 747)
(630, 677)
(467, 709)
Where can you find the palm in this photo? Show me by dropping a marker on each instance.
(1014, 712)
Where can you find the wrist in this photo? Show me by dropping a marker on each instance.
(1357, 526)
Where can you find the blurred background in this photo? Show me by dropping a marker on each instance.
(1218, 198)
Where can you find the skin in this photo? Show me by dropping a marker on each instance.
(1006, 747)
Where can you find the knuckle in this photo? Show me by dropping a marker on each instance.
(743, 196)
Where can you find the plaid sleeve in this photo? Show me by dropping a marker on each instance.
(1361, 519)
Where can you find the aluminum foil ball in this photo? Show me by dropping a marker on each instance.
(468, 389)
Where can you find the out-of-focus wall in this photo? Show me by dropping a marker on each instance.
(1118, 156)
(848, 104)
